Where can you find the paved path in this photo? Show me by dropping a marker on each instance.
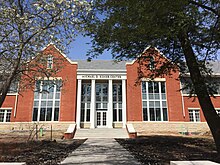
(100, 151)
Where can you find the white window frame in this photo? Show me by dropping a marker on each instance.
(158, 80)
(5, 114)
(194, 110)
(102, 102)
(117, 103)
(87, 104)
(53, 104)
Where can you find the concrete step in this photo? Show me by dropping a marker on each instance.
(101, 133)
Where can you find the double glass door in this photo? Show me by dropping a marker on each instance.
(101, 104)
(101, 118)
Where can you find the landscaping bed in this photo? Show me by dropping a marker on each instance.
(15, 147)
(37, 152)
(156, 150)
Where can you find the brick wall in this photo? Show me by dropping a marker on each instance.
(193, 103)
(134, 98)
(143, 128)
(28, 126)
(68, 93)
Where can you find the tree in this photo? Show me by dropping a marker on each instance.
(186, 31)
(27, 27)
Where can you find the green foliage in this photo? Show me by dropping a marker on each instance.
(128, 27)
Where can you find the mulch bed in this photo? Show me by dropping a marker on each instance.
(156, 150)
(37, 152)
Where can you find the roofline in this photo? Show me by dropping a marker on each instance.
(148, 47)
(132, 62)
(101, 70)
(213, 74)
(65, 56)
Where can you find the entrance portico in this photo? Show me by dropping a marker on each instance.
(101, 98)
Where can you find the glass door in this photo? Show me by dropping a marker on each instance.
(101, 119)
(101, 104)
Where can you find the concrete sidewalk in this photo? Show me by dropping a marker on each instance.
(100, 151)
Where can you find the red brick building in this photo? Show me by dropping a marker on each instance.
(102, 93)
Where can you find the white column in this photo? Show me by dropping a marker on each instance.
(93, 112)
(124, 114)
(78, 109)
(110, 105)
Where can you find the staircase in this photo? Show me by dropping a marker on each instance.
(101, 133)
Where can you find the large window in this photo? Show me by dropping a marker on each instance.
(5, 115)
(117, 102)
(85, 102)
(47, 100)
(101, 96)
(154, 102)
(194, 115)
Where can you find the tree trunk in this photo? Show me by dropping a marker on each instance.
(5, 88)
(11, 77)
(212, 118)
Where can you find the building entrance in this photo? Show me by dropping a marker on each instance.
(101, 104)
(101, 119)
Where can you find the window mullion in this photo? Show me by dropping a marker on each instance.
(194, 116)
(54, 96)
(147, 95)
(161, 108)
(85, 111)
(5, 114)
(40, 96)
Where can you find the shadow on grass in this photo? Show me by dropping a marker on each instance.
(37, 152)
(154, 150)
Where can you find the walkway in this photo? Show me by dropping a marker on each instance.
(105, 151)
(101, 133)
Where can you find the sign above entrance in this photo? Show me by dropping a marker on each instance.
(102, 76)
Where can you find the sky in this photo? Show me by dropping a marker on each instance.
(79, 48)
(81, 45)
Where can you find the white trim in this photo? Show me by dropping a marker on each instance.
(213, 74)
(194, 114)
(182, 100)
(194, 95)
(148, 47)
(193, 108)
(12, 94)
(110, 105)
(92, 104)
(101, 70)
(101, 77)
(5, 115)
(131, 63)
(78, 109)
(16, 102)
(124, 108)
(6, 108)
(160, 100)
(65, 56)
(49, 78)
(155, 79)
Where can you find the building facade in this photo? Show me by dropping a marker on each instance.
(105, 94)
